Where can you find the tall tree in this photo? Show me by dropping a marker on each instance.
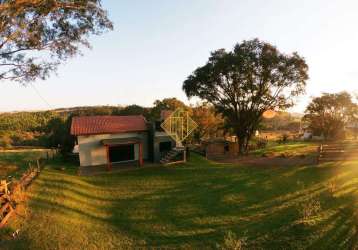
(244, 83)
(170, 104)
(59, 134)
(329, 114)
(37, 35)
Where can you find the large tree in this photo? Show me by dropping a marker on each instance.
(37, 35)
(244, 83)
(329, 114)
(58, 134)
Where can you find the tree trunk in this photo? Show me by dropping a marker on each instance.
(242, 144)
(244, 139)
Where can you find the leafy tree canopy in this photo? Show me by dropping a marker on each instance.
(242, 84)
(166, 104)
(36, 35)
(330, 113)
(59, 135)
(210, 124)
(134, 110)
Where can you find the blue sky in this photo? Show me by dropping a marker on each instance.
(156, 44)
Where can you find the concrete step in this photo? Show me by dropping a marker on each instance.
(171, 154)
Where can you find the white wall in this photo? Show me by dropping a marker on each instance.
(92, 152)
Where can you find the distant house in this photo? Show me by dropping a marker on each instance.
(308, 135)
(108, 140)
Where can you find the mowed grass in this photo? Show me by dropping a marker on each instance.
(289, 149)
(14, 162)
(189, 206)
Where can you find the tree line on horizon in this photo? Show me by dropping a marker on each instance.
(52, 128)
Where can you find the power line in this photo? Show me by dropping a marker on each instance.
(42, 98)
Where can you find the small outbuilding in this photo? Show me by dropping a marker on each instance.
(219, 148)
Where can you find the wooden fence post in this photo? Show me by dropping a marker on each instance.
(320, 149)
(38, 165)
(3, 184)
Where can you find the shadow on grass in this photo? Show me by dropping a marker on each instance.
(195, 204)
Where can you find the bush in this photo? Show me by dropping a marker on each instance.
(285, 137)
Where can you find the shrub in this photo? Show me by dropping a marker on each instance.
(231, 242)
(284, 138)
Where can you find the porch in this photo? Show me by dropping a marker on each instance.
(123, 152)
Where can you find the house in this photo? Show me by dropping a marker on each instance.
(108, 140)
(308, 134)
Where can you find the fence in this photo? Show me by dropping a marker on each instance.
(319, 153)
(337, 151)
(5, 206)
(10, 190)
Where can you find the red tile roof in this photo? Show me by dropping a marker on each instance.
(94, 125)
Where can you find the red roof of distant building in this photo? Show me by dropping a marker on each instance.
(94, 125)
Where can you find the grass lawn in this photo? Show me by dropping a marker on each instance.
(189, 206)
(289, 149)
(14, 162)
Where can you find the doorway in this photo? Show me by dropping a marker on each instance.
(121, 153)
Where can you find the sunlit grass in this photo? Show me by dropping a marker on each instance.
(14, 162)
(191, 206)
(289, 149)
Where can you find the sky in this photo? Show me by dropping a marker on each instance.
(156, 45)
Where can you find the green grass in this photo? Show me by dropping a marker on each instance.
(15, 162)
(190, 206)
(291, 148)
